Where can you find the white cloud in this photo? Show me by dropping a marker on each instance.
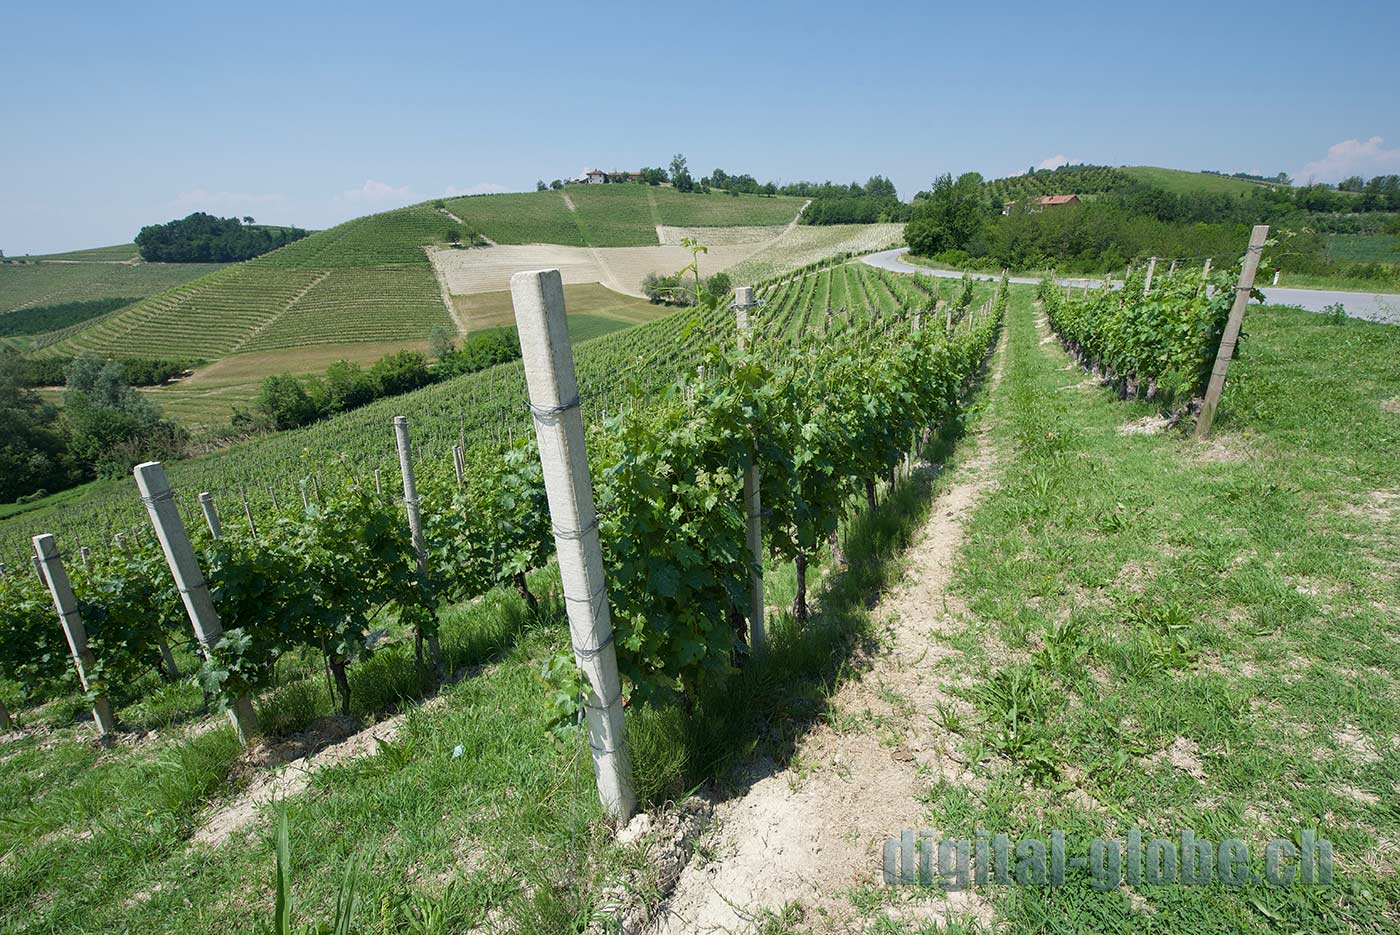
(1352, 157)
(1055, 161)
(224, 203)
(378, 194)
(485, 188)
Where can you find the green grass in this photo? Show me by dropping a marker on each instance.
(1235, 601)
(511, 830)
(115, 253)
(34, 287)
(1183, 182)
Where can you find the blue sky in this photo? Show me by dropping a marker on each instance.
(114, 115)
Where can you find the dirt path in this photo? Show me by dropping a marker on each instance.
(807, 833)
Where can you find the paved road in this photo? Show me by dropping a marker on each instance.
(1373, 306)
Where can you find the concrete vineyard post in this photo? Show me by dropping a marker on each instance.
(378, 484)
(547, 356)
(415, 523)
(1232, 330)
(1151, 268)
(1171, 269)
(753, 506)
(458, 462)
(189, 578)
(1205, 274)
(743, 301)
(211, 515)
(248, 512)
(1277, 274)
(56, 579)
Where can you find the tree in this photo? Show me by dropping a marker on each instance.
(950, 218)
(247, 219)
(400, 372)
(652, 176)
(111, 426)
(1354, 183)
(440, 342)
(540, 186)
(33, 450)
(454, 235)
(203, 238)
(284, 402)
(556, 185)
(680, 174)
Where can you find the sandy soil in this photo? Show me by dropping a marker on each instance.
(807, 833)
(488, 269)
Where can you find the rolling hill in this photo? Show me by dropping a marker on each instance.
(1097, 180)
(370, 280)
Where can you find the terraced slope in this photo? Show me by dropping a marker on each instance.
(369, 280)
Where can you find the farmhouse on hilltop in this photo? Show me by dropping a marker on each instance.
(599, 177)
(1045, 201)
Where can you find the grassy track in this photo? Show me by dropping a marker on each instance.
(1168, 636)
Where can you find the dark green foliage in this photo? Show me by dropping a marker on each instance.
(400, 372)
(135, 371)
(481, 350)
(52, 317)
(950, 217)
(1123, 218)
(203, 238)
(287, 402)
(284, 402)
(33, 450)
(110, 426)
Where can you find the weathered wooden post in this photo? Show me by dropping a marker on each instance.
(189, 578)
(415, 525)
(56, 579)
(753, 507)
(1151, 268)
(1232, 330)
(211, 514)
(554, 402)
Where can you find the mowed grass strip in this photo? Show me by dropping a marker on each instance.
(1169, 636)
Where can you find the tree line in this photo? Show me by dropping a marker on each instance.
(203, 238)
(967, 222)
(104, 427)
(285, 401)
(832, 203)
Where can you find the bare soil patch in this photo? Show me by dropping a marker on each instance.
(285, 768)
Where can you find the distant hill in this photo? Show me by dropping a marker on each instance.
(1099, 180)
(1181, 182)
(369, 279)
